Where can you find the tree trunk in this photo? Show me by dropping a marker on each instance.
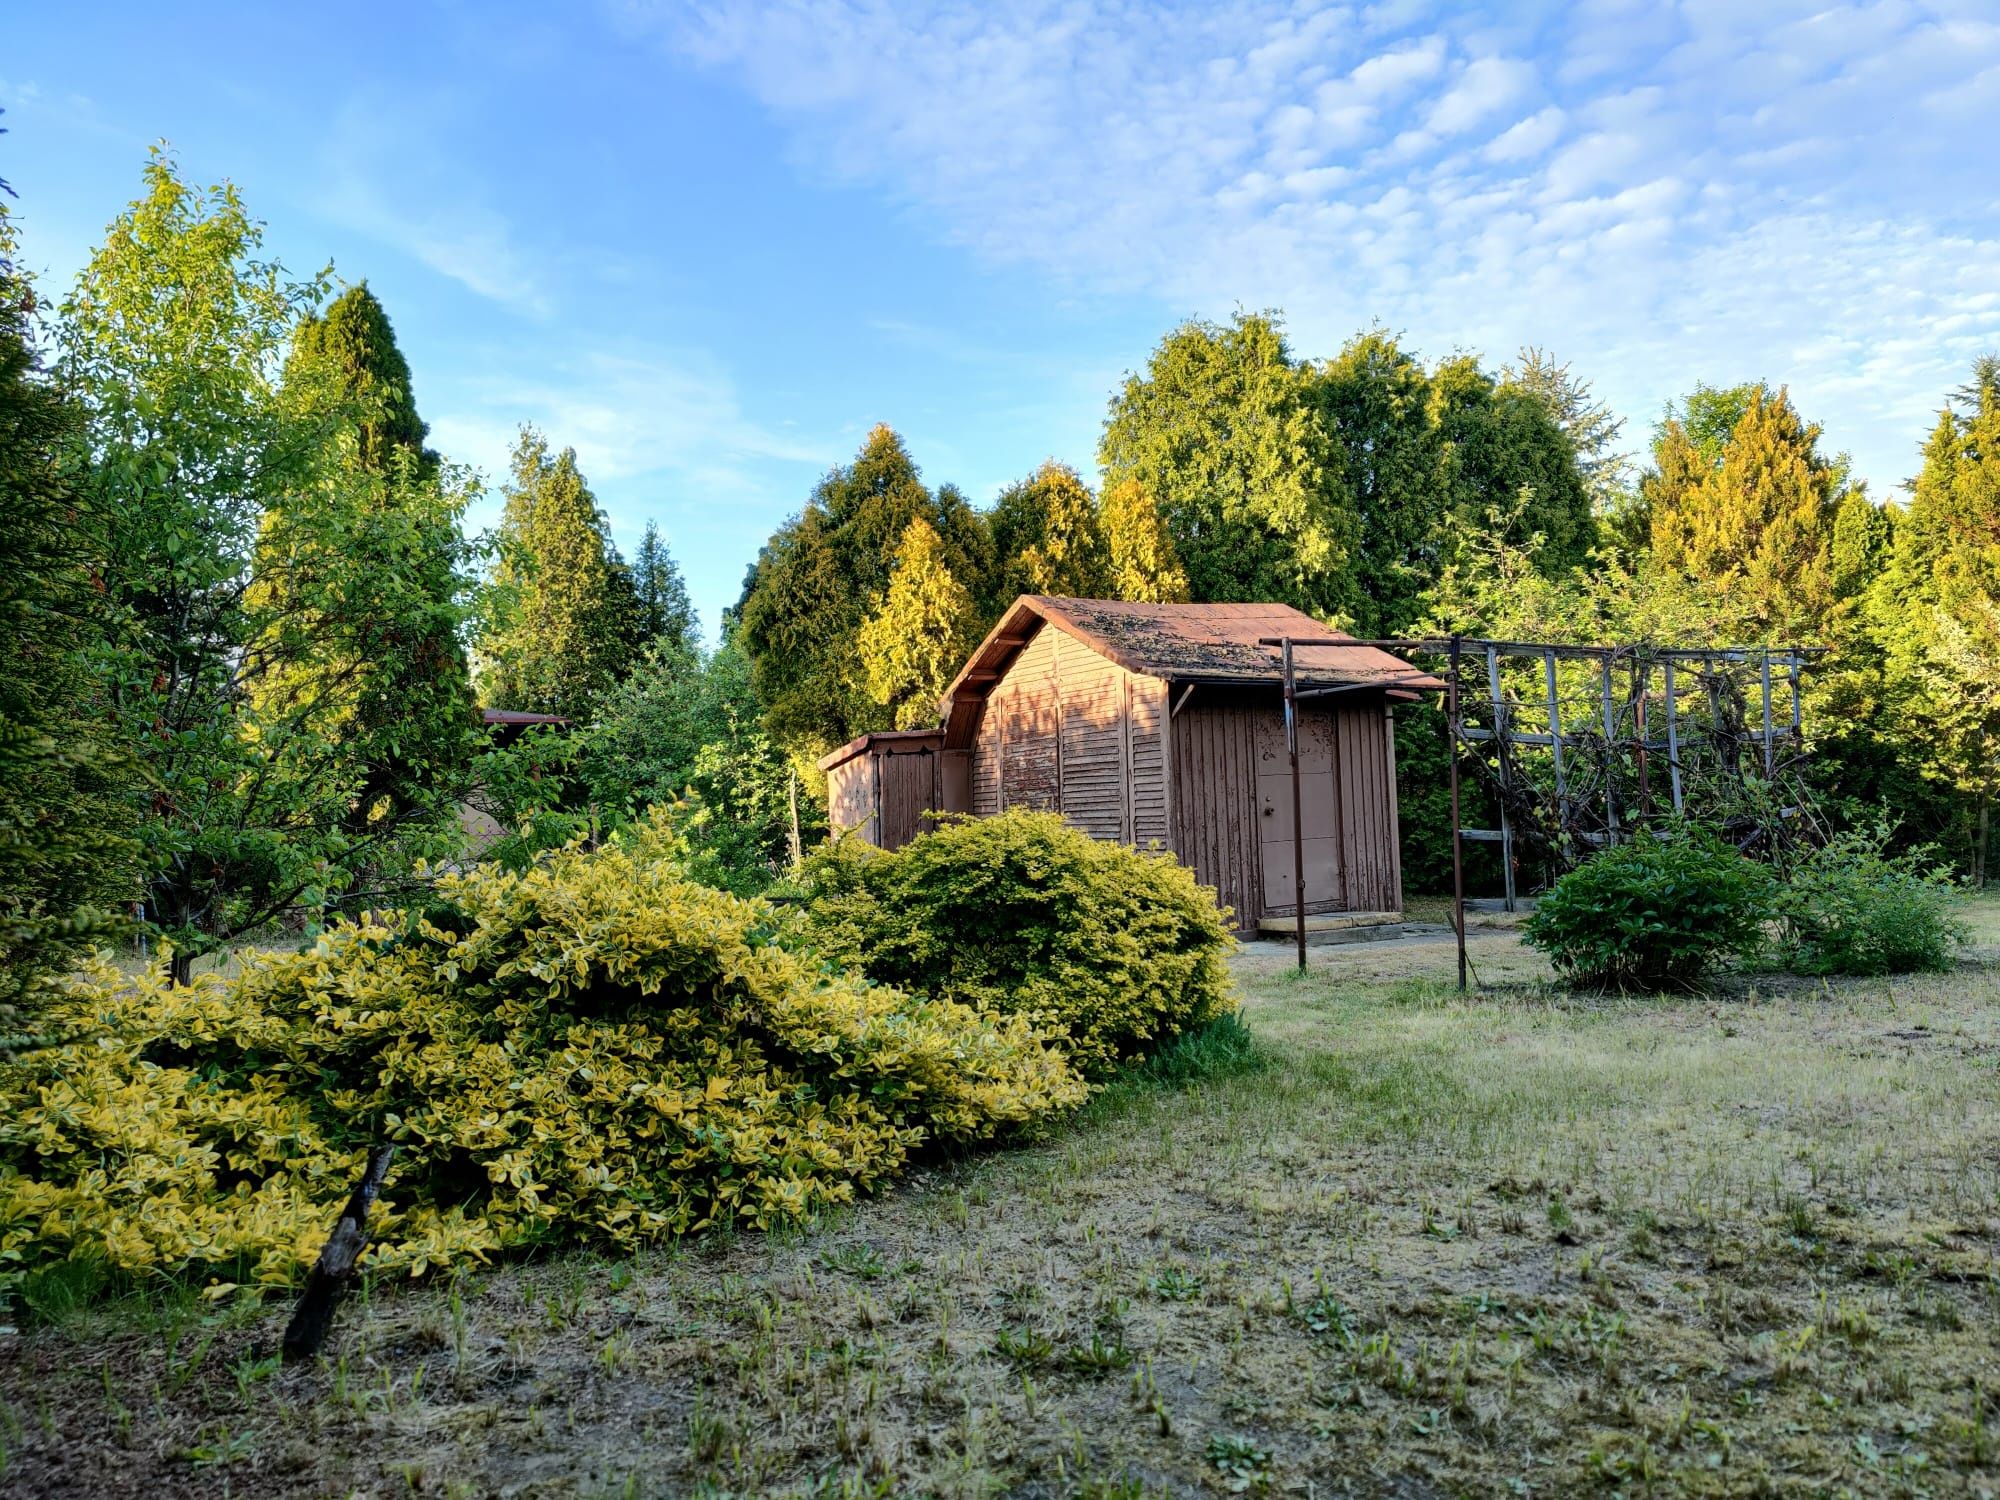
(327, 1280)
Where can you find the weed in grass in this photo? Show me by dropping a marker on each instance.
(1174, 1284)
(859, 1260)
(218, 1445)
(1244, 1467)
(247, 1371)
(1098, 1357)
(1024, 1346)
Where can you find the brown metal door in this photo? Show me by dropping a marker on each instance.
(1319, 808)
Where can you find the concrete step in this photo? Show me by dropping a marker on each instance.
(1340, 927)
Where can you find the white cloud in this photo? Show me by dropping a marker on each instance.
(1664, 194)
(1526, 138)
(625, 414)
(421, 209)
(1485, 87)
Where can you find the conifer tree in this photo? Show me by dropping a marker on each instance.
(665, 616)
(561, 630)
(820, 576)
(1760, 522)
(348, 356)
(1220, 430)
(916, 639)
(1047, 540)
(1936, 611)
(1376, 396)
(68, 801)
(1143, 565)
(361, 575)
(1589, 424)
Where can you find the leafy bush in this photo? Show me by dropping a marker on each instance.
(1653, 914)
(1852, 908)
(1109, 949)
(595, 1049)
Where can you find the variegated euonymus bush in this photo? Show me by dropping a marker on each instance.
(593, 1050)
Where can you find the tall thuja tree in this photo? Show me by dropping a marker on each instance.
(68, 855)
(1508, 460)
(1376, 397)
(172, 343)
(348, 355)
(822, 574)
(1936, 612)
(1143, 563)
(1220, 431)
(1047, 539)
(1687, 448)
(916, 638)
(561, 614)
(665, 616)
(1759, 524)
(362, 574)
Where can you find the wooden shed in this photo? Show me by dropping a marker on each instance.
(1164, 723)
(885, 786)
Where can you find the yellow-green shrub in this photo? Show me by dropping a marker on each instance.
(595, 1049)
(1111, 949)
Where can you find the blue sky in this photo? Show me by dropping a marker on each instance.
(710, 246)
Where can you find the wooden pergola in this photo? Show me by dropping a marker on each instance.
(1581, 746)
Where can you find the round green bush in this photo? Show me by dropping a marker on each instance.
(1853, 908)
(1109, 950)
(1653, 914)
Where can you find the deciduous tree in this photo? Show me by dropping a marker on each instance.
(172, 343)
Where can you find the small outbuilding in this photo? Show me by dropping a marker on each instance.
(1162, 723)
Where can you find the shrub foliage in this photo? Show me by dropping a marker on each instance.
(1653, 914)
(1853, 908)
(1112, 950)
(592, 1049)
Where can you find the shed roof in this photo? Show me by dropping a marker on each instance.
(874, 737)
(1206, 643)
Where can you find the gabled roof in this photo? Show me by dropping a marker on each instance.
(1182, 643)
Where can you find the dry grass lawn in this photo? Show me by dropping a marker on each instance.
(1525, 1244)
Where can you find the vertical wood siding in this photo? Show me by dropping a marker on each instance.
(909, 782)
(1215, 802)
(1367, 770)
(850, 797)
(1070, 731)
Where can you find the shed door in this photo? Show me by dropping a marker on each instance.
(1319, 808)
(909, 795)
